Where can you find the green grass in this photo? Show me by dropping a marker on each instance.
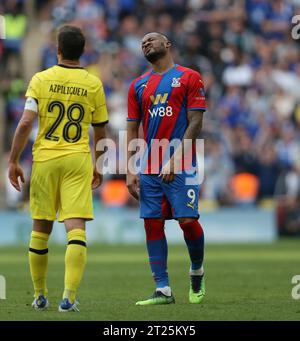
(244, 282)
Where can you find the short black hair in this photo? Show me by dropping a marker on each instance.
(71, 42)
(159, 34)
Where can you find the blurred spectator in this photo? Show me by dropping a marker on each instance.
(243, 154)
(218, 170)
(268, 171)
(278, 19)
(288, 202)
(15, 29)
(244, 188)
(114, 193)
(48, 57)
(291, 225)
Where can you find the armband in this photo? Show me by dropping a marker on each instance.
(31, 104)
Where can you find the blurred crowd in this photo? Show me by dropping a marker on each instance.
(245, 52)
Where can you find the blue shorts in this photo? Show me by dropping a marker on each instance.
(172, 200)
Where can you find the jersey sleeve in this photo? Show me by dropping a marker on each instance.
(100, 114)
(196, 93)
(134, 113)
(33, 88)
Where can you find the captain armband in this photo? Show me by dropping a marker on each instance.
(31, 104)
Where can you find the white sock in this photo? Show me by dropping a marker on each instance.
(165, 290)
(198, 272)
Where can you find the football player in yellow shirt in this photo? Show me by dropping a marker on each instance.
(67, 100)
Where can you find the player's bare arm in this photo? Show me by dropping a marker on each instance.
(195, 118)
(99, 134)
(19, 143)
(132, 179)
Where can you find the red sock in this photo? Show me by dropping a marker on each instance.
(194, 239)
(192, 229)
(154, 229)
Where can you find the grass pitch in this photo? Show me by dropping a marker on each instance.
(243, 282)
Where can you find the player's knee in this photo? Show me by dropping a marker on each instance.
(191, 228)
(74, 224)
(186, 220)
(44, 226)
(154, 229)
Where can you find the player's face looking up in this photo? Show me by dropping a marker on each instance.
(155, 46)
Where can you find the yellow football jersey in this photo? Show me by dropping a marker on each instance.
(69, 101)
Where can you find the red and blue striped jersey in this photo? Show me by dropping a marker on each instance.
(161, 102)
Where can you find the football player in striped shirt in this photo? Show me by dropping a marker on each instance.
(66, 99)
(169, 102)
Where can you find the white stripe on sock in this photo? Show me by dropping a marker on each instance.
(165, 290)
(198, 272)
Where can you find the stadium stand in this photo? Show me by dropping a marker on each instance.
(244, 50)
